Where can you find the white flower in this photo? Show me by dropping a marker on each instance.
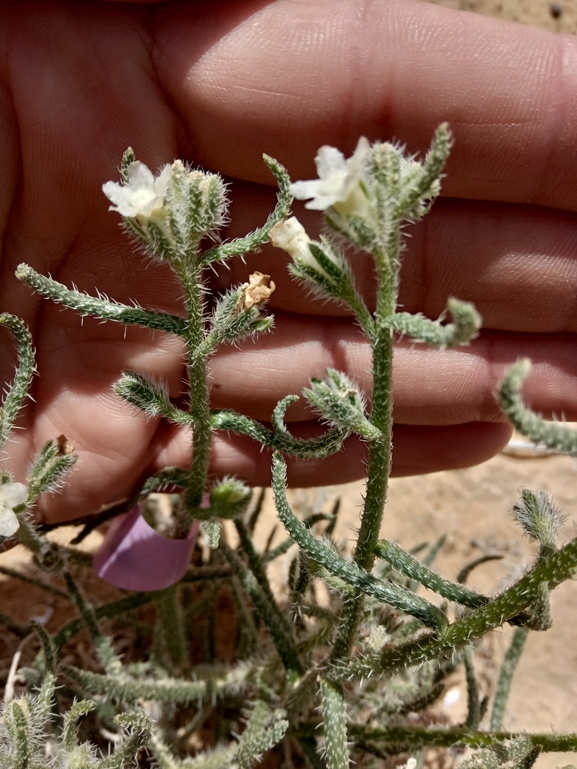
(291, 236)
(143, 195)
(180, 204)
(338, 181)
(11, 495)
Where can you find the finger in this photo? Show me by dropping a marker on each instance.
(416, 450)
(431, 386)
(516, 263)
(434, 387)
(289, 77)
(433, 390)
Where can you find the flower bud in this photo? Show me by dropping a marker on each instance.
(312, 260)
(197, 203)
(291, 236)
(229, 498)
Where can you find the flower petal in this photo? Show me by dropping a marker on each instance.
(117, 194)
(329, 160)
(9, 523)
(163, 180)
(139, 175)
(338, 178)
(359, 156)
(13, 494)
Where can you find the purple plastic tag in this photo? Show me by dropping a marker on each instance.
(135, 557)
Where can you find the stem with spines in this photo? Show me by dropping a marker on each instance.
(199, 407)
(380, 450)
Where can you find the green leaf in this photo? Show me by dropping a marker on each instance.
(411, 567)
(335, 723)
(208, 683)
(25, 370)
(260, 236)
(150, 396)
(106, 309)
(263, 731)
(346, 570)
(553, 435)
(49, 468)
(323, 446)
(76, 712)
(465, 327)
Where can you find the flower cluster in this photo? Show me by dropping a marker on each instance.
(171, 212)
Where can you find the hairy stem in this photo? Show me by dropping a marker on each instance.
(380, 451)
(553, 570)
(334, 713)
(461, 737)
(171, 627)
(279, 631)
(508, 668)
(199, 408)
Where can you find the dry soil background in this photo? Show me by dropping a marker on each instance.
(556, 17)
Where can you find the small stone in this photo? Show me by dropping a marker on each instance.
(556, 10)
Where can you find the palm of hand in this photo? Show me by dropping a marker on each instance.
(81, 83)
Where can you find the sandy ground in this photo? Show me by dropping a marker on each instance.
(535, 12)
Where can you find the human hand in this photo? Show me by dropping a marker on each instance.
(218, 84)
